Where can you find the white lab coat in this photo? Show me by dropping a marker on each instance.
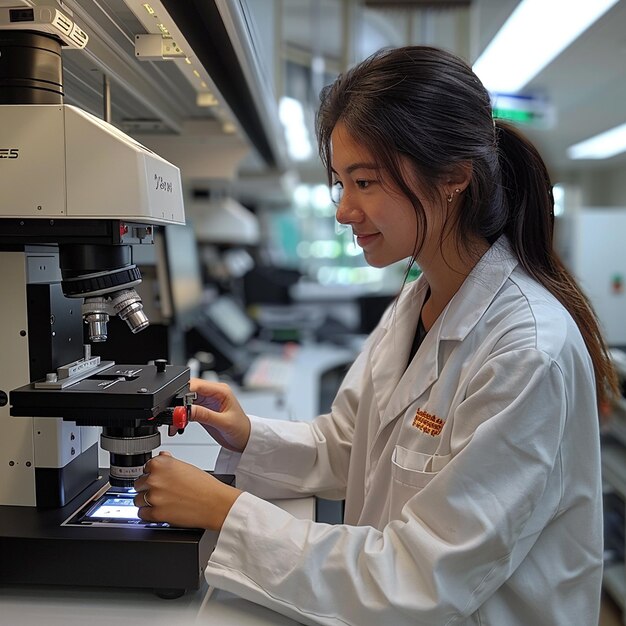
(495, 520)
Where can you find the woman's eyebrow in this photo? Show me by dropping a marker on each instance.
(358, 166)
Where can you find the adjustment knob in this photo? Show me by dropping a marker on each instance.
(180, 418)
(161, 364)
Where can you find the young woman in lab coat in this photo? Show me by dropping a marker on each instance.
(464, 438)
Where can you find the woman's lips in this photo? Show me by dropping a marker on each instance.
(364, 240)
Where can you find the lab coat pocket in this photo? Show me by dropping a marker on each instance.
(411, 472)
(416, 469)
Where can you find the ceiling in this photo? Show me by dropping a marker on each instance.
(586, 85)
(241, 47)
(584, 88)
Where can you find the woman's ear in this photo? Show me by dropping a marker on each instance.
(458, 177)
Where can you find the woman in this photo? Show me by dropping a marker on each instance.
(464, 438)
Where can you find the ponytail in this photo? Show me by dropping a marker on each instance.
(530, 223)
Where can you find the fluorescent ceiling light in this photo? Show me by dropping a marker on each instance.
(291, 115)
(602, 146)
(536, 32)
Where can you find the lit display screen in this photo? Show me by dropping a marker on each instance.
(115, 508)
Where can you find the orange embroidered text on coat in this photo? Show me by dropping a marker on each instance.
(427, 423)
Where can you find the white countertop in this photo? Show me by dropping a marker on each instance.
(60, 606)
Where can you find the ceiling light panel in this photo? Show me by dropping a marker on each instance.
(535, 34)
(602, 146)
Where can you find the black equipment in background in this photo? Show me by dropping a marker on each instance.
(225, 331)
(269, 285)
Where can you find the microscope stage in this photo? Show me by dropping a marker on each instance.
(115, 395)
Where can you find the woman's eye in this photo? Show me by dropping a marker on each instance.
(363, 184)
(336, 192)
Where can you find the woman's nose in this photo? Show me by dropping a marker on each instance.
(348, 212)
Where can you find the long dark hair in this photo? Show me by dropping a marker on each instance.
(427, 105)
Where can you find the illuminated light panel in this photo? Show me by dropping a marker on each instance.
(536, 33)
(206, 99)
(602, 146)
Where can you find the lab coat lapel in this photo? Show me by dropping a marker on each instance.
(415, 379)
(389, 358)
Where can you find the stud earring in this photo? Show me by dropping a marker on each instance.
(450, 196)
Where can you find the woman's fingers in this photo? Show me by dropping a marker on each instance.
(217, 409)
(183, 495)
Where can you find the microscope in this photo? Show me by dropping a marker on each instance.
(77, 194)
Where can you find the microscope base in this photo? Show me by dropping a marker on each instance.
(36, 549)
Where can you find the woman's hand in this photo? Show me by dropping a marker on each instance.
(217, 409)
(181, 494)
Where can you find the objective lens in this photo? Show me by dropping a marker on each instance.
(125, 303)
(129, 449)
(134, 316)
(97, 326)
(124, 469)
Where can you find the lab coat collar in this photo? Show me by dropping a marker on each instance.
(395, 385)
(478, 291)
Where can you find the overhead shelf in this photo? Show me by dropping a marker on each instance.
(222, 37)
(157, 96)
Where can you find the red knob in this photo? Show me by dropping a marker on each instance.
(179, 417)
